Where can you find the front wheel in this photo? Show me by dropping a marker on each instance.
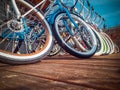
(26, 40)
(81, 43)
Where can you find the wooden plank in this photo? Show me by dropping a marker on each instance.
(18, 81)
(96, 72)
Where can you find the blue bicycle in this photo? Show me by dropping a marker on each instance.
(71, 32)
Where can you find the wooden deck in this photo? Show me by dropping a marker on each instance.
(63, 73)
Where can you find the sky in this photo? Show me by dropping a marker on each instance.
(109, 9)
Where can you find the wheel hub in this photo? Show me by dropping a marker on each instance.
(15, 26)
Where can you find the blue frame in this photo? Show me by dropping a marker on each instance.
(51, 16)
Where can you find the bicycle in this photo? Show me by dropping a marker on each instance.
(71, 32)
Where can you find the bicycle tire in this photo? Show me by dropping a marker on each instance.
(67, 46)
(111, 44)
(28, 49)
(100, 45)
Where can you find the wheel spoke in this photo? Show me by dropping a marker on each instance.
(13, 42)
(8, 45)
(26, 44)
(5, 38)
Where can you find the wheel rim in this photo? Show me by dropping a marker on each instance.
(67, 38)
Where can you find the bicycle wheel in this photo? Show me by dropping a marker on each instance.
(106, 49)
(100, 45)
(26, 40)
(55, 49)
(82, 44)
(111, 44)
(109, 47)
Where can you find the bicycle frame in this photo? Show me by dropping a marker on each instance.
(60, 8)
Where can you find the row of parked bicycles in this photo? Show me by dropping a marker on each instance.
(31, 31)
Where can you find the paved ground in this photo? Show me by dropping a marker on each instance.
(63, 73)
